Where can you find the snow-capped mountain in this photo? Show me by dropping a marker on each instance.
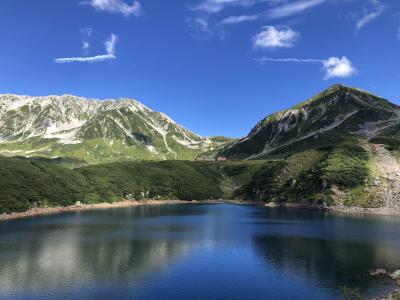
(92, 130)
(322, 120)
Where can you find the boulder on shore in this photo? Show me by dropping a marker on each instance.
(378, 272)
(395, 275)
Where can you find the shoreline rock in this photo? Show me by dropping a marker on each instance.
(35, 212)
(378, 272)
(78, 206)
(395, 275)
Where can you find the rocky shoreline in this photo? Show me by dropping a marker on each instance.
(128, 203)
(379, 211)
(81, 207)
(395, 276)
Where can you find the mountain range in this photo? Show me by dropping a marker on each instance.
(340, 147)
(93, 131)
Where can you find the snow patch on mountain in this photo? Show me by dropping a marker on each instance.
(65, 132)
(69, 120)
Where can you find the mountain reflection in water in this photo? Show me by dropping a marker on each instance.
(195, 252)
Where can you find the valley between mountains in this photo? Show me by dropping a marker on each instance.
(338, 148)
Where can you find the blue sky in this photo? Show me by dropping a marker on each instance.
(215, 66)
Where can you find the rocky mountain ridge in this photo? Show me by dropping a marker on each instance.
(333, 114)
(77, 127)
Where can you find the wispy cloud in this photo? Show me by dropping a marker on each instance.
(293, 8)
(85, 45)
(91, 59)
(274, 9)
(207, 12)
(215, 6)
(275, 37)
(116, 7)
(263, 60)
(86, 33)
(233, 20)
(334, 67)
(199, 27)
(374, 10)
(109, 44)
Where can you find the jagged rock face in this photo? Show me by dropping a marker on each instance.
(338, 111)
(89, 129)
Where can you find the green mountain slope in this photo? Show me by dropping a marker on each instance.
(338, 112)
(27, 183)
(341, 147)
(93, 131)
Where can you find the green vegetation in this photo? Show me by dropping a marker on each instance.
(166, 179)
(351, 293)
(265, 184)
(346, 166)
(40, 182)
(100, 150)
(310, 175)
(29, 183)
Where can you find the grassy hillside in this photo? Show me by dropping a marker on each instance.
(345, 173)
(27, 183)
(313, 176)
(334, 115)
(165, 179)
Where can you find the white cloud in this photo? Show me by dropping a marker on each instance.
(199, 26)
(209, 10)
(109, 44)
(296, 60)
(86, 33)
(91, 59)
(116, 7)
(370, 14)
(85, 45)
(338, 67)
(232, 20)
(215, 6)
(285, 10)
(334, 67)
(275, 37)
(293, 8)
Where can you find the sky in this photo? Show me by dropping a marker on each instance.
(215, 66)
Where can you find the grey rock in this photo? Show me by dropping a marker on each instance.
(395, 275)
(378, 272)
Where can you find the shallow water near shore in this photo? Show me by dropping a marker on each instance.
(204, 251)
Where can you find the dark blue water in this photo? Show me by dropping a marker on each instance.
(195, 252)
